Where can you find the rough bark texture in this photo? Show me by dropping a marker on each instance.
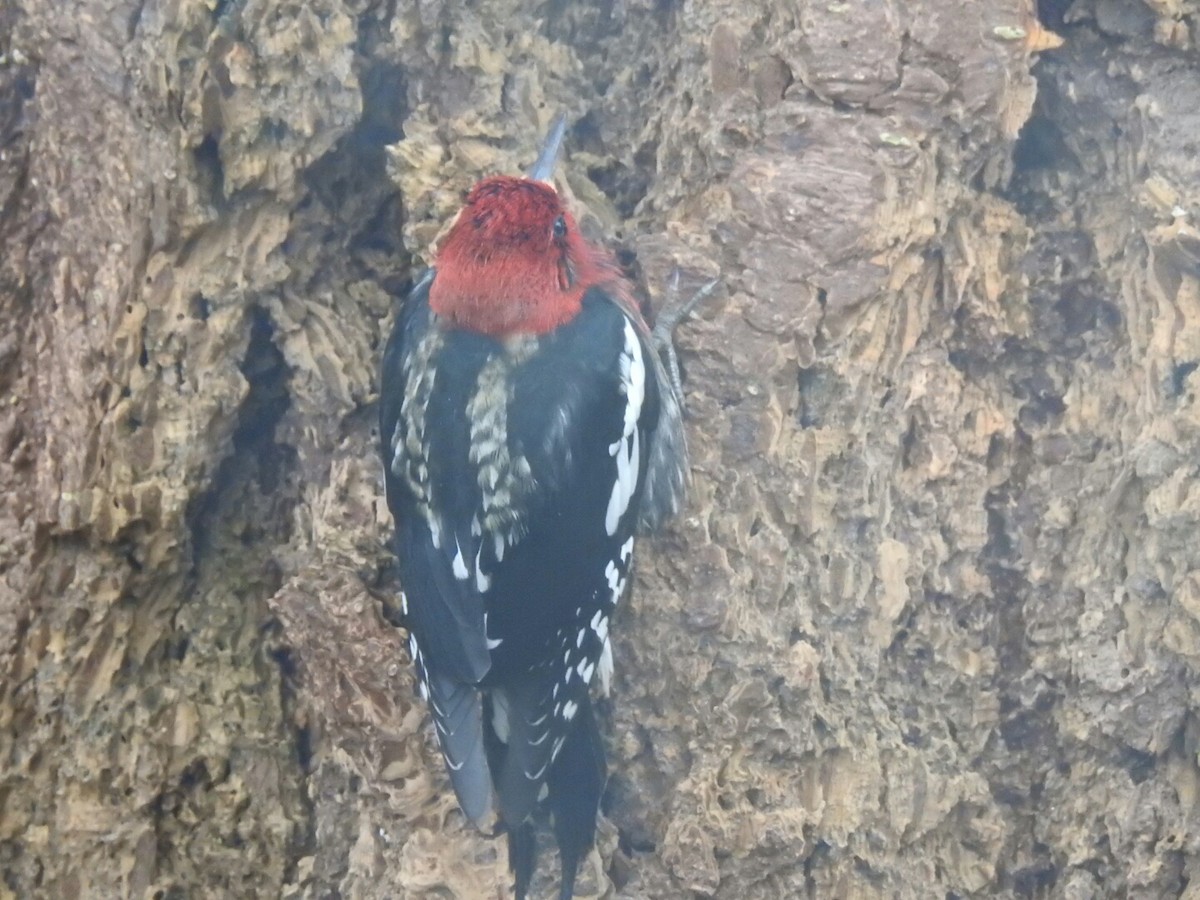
(931, 625)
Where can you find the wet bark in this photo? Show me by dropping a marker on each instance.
(930, 626)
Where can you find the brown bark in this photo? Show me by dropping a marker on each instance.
(930, 626)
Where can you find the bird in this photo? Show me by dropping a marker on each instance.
(529, 430)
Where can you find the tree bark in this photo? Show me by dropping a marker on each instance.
(930, 626)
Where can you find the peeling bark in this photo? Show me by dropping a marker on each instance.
(931, 623)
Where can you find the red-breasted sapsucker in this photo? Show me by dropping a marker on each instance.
(528, 429)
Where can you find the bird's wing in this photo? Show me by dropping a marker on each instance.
(444, 614)
(584, 409)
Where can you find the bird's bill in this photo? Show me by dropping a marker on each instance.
(543, 169)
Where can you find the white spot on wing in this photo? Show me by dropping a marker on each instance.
(613, 574)
(491, 644)
(500, 716)
(570, 709)
(459, 565)
(605, 669)
(483, 581)
(397, 466)
(629, 463)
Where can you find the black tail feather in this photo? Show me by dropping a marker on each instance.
(522, 857)
(576, 782)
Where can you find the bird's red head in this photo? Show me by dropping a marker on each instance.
(514, 261)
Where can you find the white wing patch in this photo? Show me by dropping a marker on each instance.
(459, 565)
(605, 670)
(397, 445)
(492, 643)
(627, 449)
(633, 376)
(618, 578)
(414, 651)
(500, 715)
(600, 625)
(613, 574)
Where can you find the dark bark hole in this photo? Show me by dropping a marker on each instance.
(1041, 411)
(210, 172)
(383, 91)
(351, 180)
(909, 444)
(811, 384)
(266, 371)
(199, 308)
(1179, 377)
(1051, 13)
(177, 649)
(304, 748)
(631, 844)
(256, 459)
(1138, 764)
(624, 186)
(1040, 146)
(1035, 880)
(285, 659)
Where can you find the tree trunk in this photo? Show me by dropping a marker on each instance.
(930, 625)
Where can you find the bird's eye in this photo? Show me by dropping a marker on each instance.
(560, 228)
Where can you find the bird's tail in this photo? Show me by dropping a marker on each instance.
(573, 787)
(576, 783)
